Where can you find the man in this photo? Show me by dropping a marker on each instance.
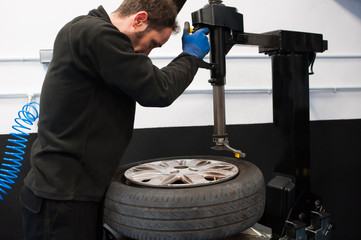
(99, 70)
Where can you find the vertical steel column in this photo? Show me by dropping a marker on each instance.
(290, 79)
(218, 80)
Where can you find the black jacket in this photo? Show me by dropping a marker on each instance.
(87, 106)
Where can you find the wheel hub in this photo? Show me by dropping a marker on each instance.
(181, 173)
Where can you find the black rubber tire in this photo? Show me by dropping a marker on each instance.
(205, 212)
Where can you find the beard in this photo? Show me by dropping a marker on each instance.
(136, 37)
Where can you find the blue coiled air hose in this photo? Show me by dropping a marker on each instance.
(11, 164)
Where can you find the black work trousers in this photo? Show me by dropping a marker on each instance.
(46, 219)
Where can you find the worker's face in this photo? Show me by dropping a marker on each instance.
(145, 41)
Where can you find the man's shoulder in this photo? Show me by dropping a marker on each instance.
(92, 22)
(90, 27)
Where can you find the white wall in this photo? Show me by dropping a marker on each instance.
(28, 26)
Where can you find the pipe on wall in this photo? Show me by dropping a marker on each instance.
(229, 91)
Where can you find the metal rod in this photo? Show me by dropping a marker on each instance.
(219, 110)
(19, 59)
(19, 95)
(269, 90)
(11, 60)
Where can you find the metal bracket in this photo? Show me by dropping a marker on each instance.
(320, 228)
(222, 144)
(46, 55)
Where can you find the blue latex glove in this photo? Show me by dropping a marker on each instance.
(195, 44)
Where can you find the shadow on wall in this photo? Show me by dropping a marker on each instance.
(353, 6)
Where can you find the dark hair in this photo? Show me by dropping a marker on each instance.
(161, 13)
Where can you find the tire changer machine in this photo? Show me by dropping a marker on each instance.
(292, 211)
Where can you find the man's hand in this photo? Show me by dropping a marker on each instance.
(195, 44)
